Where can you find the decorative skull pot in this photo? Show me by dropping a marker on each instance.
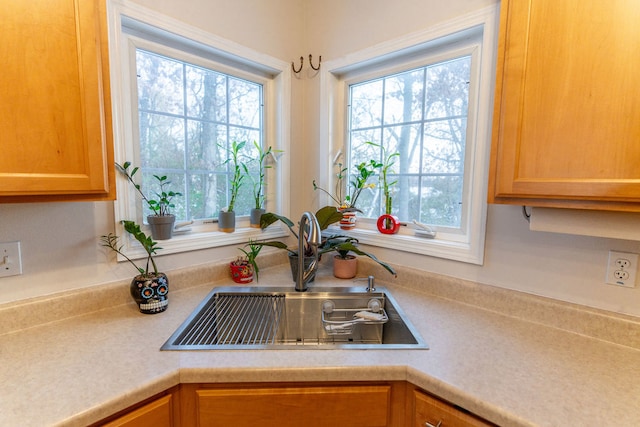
(151, 292)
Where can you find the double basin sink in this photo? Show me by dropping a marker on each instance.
(281, 318)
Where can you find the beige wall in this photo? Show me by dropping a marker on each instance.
(570, 268)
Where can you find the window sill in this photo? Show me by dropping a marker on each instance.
(195, 240)
(440, 246)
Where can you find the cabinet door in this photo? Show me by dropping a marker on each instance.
(55, 115)
(354, 406)
(567, 118)
(431, 412)
(158, 413)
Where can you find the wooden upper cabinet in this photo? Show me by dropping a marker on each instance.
(566, 130)
(55, 113)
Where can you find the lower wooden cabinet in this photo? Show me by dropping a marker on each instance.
(353, 404)
(282, 405)
(428, 411)
(159, 412)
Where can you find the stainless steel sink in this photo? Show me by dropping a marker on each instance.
(281, 318)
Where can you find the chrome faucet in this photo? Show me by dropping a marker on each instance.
(309, 226)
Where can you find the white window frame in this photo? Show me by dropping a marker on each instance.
(474, 33)
(191, 44)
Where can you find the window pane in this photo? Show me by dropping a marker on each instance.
(366, 104)
(161, 141)
(441, 200)
(206, 94)
(403, 97)
(205, 139)
(448, 89)
(160, 81)
(244, 103)
(444, 146)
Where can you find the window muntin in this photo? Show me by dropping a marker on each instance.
(421, 114)
(188, 117)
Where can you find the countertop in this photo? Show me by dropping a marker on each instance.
(497, 355)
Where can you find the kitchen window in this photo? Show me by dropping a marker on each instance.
(185, 97)
(188, 118)
(427, 98)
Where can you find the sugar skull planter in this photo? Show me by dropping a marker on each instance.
(151, 292)
(150, 289)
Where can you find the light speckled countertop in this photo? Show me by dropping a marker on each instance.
(499, 354)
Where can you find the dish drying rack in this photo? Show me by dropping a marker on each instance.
(338, 321)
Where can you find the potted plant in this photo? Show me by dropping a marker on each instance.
(162, 220)
(347, 203)
(244, 267)
(149, 288)
(227, 216)
(345, 261)
(387, 223)
(325, 216)
(258, 183)
(342, 244)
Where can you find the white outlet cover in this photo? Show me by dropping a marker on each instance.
(10, 259)
(616, 270)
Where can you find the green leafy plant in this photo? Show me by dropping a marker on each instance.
(111, 241)
(250, 255)
(339, 243)
(344, 245)
(258, 182)
(237, 176)
(162, 204)
(325, 216)
(364, 171)
(388, 161)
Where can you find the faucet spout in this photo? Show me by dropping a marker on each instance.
(309, 236)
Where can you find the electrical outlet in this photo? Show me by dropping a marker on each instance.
(622, 269)
(10, 259)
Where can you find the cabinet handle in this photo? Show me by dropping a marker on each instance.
(428, 424)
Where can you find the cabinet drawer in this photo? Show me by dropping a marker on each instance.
(430, 411)
(294, 406)
(155, 414)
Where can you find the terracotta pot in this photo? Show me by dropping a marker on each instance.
(150, 292)
(242, 273)
(345, 268)
(161, 226)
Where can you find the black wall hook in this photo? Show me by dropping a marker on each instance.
(299, 69)
(311, 62)
(293, 66)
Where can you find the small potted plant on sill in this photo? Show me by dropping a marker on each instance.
(345, 262)
(387, 223)
(162, 220)
(227, 216)
(149, 288)
(347, 204)
(258, 183)
(244, 267)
